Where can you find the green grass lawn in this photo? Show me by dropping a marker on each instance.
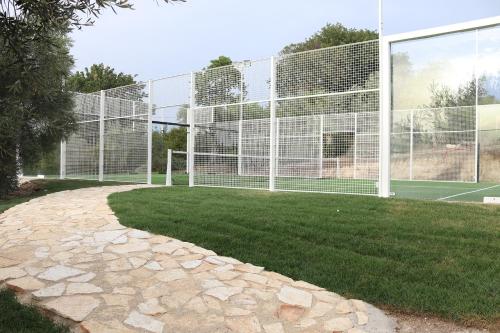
(50, 186)
(414, 256)
(18, 318)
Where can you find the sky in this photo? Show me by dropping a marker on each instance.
(157, 40)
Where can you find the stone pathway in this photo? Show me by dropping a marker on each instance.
(67, 253)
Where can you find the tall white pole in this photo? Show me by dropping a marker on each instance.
(150, 131)
(355, 157)
(190, 117)
(385, 111)
(272, 128)
(476, 159)
(412, 130)
(168, 181)
(101, 135)
(62, 162)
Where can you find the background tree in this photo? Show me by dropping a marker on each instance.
(98, 77)
(35, 108)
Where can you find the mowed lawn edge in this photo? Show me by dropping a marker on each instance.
(413, 256)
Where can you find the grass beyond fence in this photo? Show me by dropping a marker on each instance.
(414, 256)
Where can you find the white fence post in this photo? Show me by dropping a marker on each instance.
(412, 130)
(476, 69)
(190, 116)
(62, 161)
(240, 145)
(321, 126)
(150, 131)
(168, 181)
(272, 128)
(355, 157)
(101, 135)
(385, 120)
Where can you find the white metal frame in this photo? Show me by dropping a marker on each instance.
(386, 87)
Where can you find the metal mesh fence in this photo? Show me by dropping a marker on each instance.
(324, 106)
(434, 144)
(307, 121)
(82, 148)
(110, 142)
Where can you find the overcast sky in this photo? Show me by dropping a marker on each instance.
(158, 40)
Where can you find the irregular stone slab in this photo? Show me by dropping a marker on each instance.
(120, 240)
(52, 291)
(171, 275)
(129, 247)
(290, 313)
(83, 278)
(124, 291)
(139, 234)
(257, 278)
(107, 236)
(343, 307)
(118, 265)
(249, 268)
(6, 262)
(191, 264)
(11, 273)
(137, 262)
(154, 266)
(237, 312)
(243, 324)
(339, 324)
(223, 293)
(151, 307)
(274, 328)
(76, 308)
(294, 296)
(26, 283)
(148, 323)
(362, 318)
(167, 248)
(59, 272)
(113, 326)
(320, 309)
(82, 288)
(117, 300)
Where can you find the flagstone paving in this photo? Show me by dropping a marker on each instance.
(67, 253)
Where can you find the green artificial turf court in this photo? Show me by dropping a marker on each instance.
(420, 190)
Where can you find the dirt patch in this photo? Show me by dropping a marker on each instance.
(418, 324)
(25, 189)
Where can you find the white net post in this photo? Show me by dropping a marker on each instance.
(191, 133)
(272, 132)
(476, 137)
(384, 183)
(62, 161)
(101, 135)
(168, 181)
(150, 131)
(321, 134)
(355, 153)
(412, 137)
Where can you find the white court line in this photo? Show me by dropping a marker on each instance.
(457, 195)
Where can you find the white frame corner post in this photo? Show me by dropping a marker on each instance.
(101, 135)
(62, 160)
(191, 129)
(150, 131)
(168, 178)
(272, 128)
(384, 183)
